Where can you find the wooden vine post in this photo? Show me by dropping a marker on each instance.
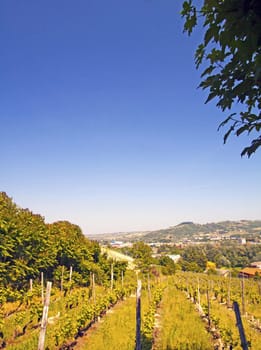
(138, 316)
(149, 291)
(198, 290)
(93, 287)
(187, 287)
(243, 295)
(209, 319)
(122, 279)
(112, 276)
(45, 316)
(70, 279)
(42, 287)
(70, 276)
(240, 327)
(229, 290)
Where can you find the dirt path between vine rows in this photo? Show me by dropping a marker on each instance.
(81, 341)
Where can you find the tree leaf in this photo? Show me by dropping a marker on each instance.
(230, 53)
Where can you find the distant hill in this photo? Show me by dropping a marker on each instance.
(186, 230)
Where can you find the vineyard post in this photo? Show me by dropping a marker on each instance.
(93, 287)
(112, 276)
(149, 291)
(122, 279)
(240, 326)
(138, 316)
(45, 316)
(70, 277)
(137, 275)
(42, 287)
(209, 320)
(243, 295)
(229, 288)
(62, 278)
(31, 284)
(198, 294)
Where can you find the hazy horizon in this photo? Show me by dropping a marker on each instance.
(159, 228)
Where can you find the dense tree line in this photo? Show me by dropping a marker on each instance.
(227, 254)
(146, 263)
(195, 258)
(29, 246)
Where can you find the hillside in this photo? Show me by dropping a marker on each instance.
(188, 230)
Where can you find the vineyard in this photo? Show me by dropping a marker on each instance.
(184, 311)
(60, 291)
(69, 316)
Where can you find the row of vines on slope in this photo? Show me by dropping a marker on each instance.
(214, 296)
(69, 316)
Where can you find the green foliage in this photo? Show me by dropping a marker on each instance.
(168, 265)
(194, 258)
(221, 292)
(117, 331)
(233, 255)
(148, 324)
(142, 252)
(231, 53)
(177, 324)
(28, 247)
(25, 248)
(68, 316)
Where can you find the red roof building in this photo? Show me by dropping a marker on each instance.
(250, 272)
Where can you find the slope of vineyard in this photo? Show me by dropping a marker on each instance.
(195, 313)
(69, 316)
(118, 328)
(214, 296)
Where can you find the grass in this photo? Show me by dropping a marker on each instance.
(117, 330)
(180, 325)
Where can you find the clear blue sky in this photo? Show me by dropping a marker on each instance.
(102, 123)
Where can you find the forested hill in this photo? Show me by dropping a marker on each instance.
(190, 230)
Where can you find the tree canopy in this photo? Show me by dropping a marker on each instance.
(231, 56)
(29, 246)
(142, 253)
(229, 255)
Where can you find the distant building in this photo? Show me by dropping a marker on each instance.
(222, 272)
(174, 257)
(256, 264)
(120, 244)
(250, 272)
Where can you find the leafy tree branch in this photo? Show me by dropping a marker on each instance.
(231, 52)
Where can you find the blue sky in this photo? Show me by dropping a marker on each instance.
(102, 123)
